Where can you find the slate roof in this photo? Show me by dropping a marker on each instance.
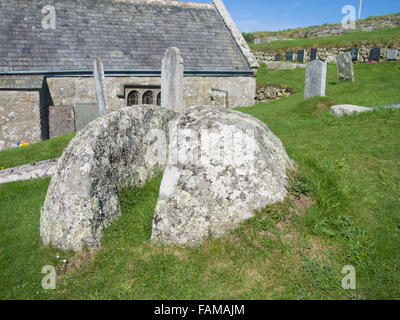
(126, 35)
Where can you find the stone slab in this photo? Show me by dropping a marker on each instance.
(36, 170)
(61, 120)
(315, 79)
(84, 114)
(354, 54)
(284, 65)
(345, 67)
(289, 56)
(300, 55)
(257, 41)
(375, 54)
(392, 54)
(348, 109)
(313, 54)
(278, 57)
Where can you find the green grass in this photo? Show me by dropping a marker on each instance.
(349, 166)
(291, 33)
(48, 149)
(388, 38)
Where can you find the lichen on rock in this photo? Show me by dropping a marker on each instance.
(83, 197)
(222, 165)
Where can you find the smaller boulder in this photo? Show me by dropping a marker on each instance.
(348, 109)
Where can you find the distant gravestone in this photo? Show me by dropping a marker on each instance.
(345, 67)
(375, 54)
(278, 57)
(61, 120)
(354, 54)
(217, 98)
(289, 55)
(100, 86)
(172, 80)
(257, 41)
(392, 54)
(313, 55)
(300, 55)
(84, 114)
(315, 79)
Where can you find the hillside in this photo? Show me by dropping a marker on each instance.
(369, 24)
(388, 38)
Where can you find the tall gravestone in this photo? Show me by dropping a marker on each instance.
(375, 54)
(392, 55)
(345, 67)
(289, 55)
(61, 120)
(315, 79)
(300, 55)
(100, 86)
(278, 57)
(172, 81)
(84, 114)
(354, 54)
(313, 54)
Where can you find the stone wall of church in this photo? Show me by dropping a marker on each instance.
(19, 117)
(24, 106)
(72, 91)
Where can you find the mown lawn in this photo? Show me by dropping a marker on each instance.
(349, 167)
(48, 149)
(388, 38)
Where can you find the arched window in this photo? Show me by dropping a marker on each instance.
(148, 97)
(159, 99)
(133, 98)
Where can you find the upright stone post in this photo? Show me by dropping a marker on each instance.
(172, 81)
(345, 67)
(100, 86)
(315, 79)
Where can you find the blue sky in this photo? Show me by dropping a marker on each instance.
(273, 15)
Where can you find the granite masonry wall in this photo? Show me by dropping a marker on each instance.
(19, 117)
(324, 54)
(25, 101)
(70, 91)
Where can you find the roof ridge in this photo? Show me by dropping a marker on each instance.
(188, 4)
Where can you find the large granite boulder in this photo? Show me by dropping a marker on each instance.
(115, 150)
(222, 165)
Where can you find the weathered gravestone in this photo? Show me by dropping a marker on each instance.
(375, 54)
(354, 54)
(222, 165)
(289, 55)
(315, 79)
(345, 67)
(217, 98)
(61, 120)
(313, 54)
(100, 86)
(172, 81)
(300, 55)
(278, 57)
(257, 41)
(392, 54)
(125, 147)
(84, 114)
